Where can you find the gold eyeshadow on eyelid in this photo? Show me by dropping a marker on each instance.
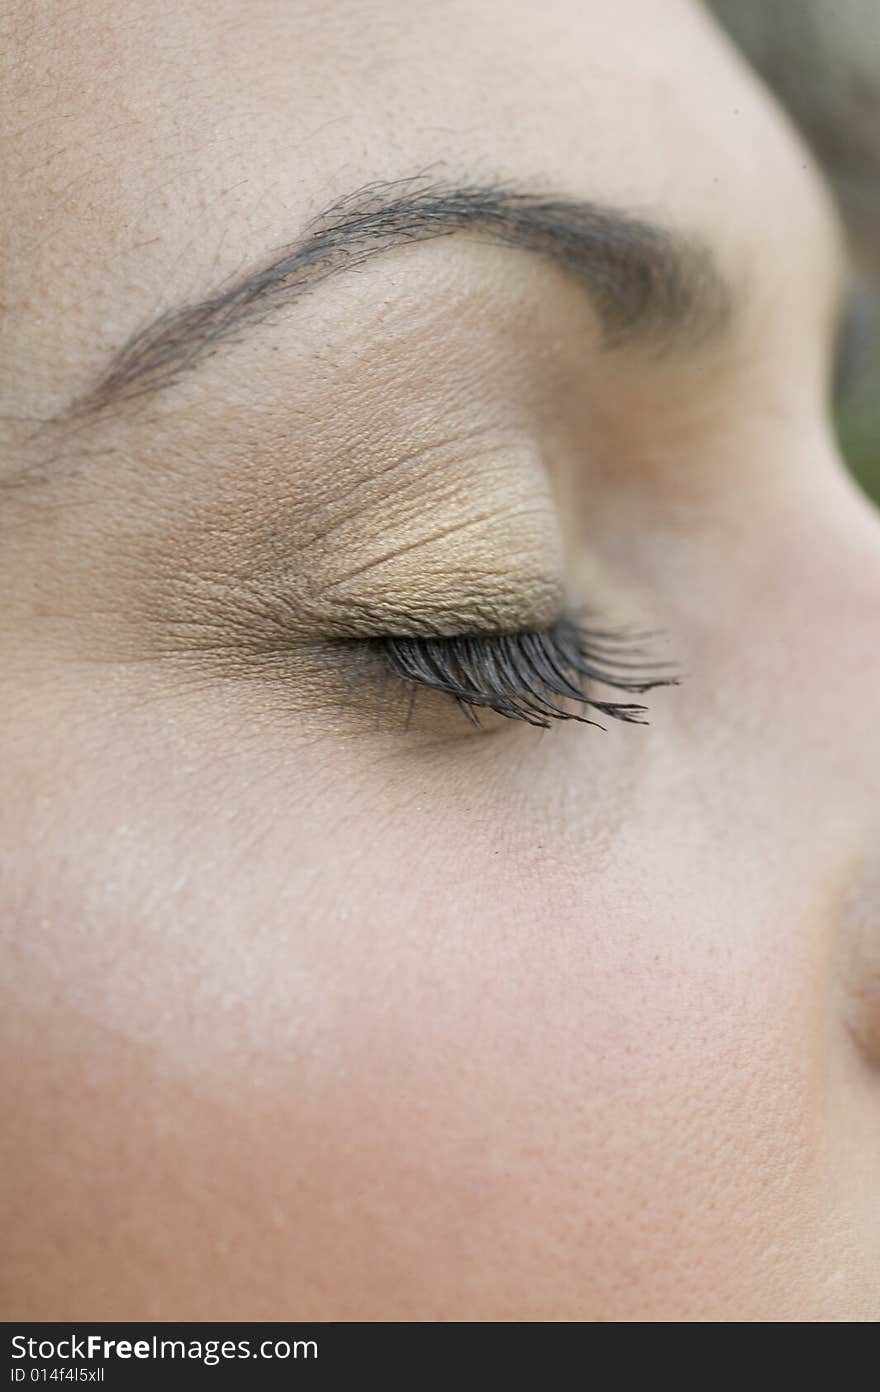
(473, 541)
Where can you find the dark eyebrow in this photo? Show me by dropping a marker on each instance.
(645, 281)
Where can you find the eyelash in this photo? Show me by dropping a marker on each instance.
(523, 676)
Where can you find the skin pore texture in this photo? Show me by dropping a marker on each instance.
(312, 1012)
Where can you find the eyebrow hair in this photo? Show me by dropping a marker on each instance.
(645, 281)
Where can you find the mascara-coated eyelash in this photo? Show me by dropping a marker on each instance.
(524, 676)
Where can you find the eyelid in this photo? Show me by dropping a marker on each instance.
(525, 676)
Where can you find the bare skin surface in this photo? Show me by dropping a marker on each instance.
(308, 1014)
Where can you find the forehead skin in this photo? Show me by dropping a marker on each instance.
(336, 1025)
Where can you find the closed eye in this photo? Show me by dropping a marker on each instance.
(538, 677)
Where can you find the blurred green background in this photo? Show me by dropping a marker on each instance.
(858, 421)
(821, 60)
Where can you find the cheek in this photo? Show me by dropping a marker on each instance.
(588, 1113)
(444, 1065)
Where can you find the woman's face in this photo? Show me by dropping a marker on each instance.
(316, 1009)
